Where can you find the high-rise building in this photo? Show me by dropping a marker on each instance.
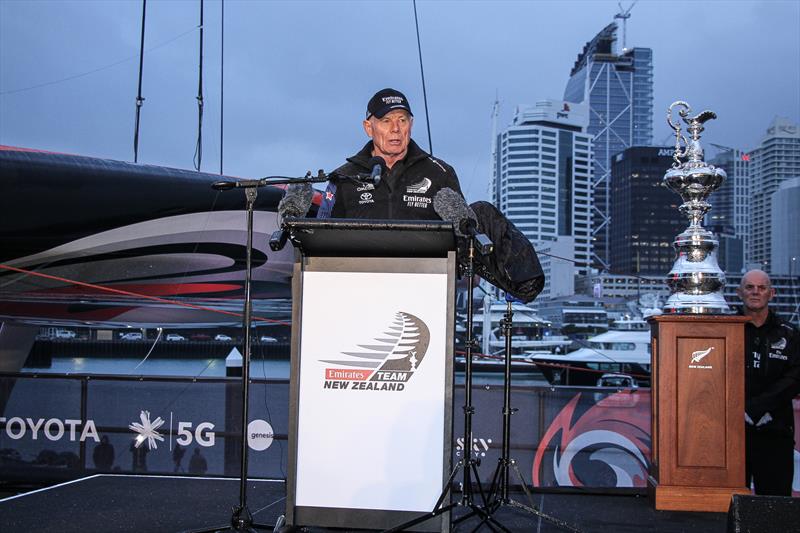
(644, 214)
(618, 87)
(729, 217)
(543, 173)
(558, 265)
(785, 234)
(774, 161)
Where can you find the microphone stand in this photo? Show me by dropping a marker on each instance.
(321, 177)
(242, 518)
(467, 463)
(498, 492)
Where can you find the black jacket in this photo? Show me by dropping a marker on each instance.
(772, 372)
(404, 193)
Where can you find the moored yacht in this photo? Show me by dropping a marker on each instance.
(615, 351)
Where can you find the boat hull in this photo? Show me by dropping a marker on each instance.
(559, 371)
(90, 241)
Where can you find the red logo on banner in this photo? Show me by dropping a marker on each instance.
(586, 433)
(347, 374)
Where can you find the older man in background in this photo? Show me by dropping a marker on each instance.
(772, 379)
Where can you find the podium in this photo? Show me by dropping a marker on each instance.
(697, 411)
(370, 405)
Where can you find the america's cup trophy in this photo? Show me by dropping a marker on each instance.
(695, 281)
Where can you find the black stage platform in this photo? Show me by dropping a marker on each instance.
(105, 503)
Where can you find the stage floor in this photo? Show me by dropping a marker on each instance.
(103, 503)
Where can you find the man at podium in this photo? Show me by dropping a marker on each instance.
(772, 379)
(408, 178)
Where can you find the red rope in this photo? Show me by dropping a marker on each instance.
(582, 369)
(543, 363)
(136, 295)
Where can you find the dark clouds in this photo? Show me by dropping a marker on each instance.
(298, 74)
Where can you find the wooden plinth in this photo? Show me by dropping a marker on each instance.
(697, 411)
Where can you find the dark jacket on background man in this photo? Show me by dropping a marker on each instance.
(772, 373)
(405, 192)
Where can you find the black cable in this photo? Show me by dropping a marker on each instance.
(422, 72)
(589, 265)
(198, 150)
(263, 353)
(221, 85)
(139, 99)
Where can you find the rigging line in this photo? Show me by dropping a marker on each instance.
(589, 265)
(198, 149)
(158, 337)
(179, 394)
(98, 69)
(422, 72)
(139, 99)
(136, 295)
(221, 85)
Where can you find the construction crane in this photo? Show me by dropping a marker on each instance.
(624, 14)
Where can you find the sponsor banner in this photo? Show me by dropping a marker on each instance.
(50, 430)
(372, 389)
(561, 437)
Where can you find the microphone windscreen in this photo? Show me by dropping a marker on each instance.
(297, 201)
(377, 160)
(451, 207)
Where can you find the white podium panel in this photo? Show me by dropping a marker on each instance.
(374, 392)
(372, 374)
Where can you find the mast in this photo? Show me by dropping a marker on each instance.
(493, 149)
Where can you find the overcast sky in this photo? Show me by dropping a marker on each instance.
(298, 74)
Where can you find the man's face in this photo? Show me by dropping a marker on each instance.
(755, 291)
(390, 134)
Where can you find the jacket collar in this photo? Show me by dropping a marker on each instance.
(414, 154)
(772, 318)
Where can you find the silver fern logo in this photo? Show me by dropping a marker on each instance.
(698, 356)
(420, 187)
(387, 362)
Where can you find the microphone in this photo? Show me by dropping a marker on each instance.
(295, 203)
(378, 165)
(451, 207)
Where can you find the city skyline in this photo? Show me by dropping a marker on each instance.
(295, 86)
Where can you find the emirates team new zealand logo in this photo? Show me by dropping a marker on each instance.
(385, 365)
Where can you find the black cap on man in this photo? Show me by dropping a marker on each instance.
(387, 100)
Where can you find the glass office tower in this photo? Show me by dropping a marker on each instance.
(618, 88)
(644, 214)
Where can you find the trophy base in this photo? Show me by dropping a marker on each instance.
(698, 304)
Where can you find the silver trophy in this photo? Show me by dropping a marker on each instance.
(695, 281)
